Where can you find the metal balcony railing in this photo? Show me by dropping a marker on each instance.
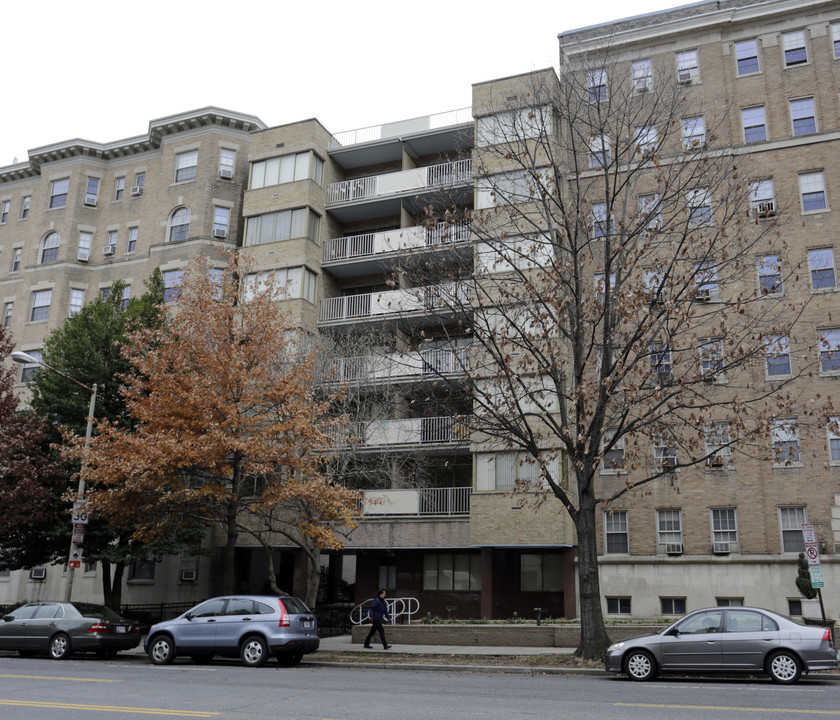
(373, 368)
(417, 501)
(388, 241)
(382, 132)
(454, 295)
(405, 431)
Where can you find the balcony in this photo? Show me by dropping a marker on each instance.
(407, 432)
(402, 128)
(412, 301)
(429, 362)
(419, 501)
(382, 193)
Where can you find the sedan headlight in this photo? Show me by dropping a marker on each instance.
(615, 646)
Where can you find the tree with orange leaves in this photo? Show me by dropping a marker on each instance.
(228, 431)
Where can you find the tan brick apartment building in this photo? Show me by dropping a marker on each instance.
(336, 216)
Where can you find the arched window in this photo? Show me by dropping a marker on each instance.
(179, 224)
(49, 248)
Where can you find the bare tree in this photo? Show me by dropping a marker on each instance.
(626, 295)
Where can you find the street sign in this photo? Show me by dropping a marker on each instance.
(80, 513)
(808, 534)
(75, 558)
(78, 534)
(812, 554)
(816, 577)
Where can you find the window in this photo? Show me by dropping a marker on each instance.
(655, 286)
(599, 151)
(646, 139)
(793, 45)
(119, 188)
(660, 363)
(504, 189)
(28, 370)
(142, 570)
(502, 470)
(777, 352)
(227, 163)
(7, 313)
(791, 520)
(5, 206)
(104, 293)
(724, 529)
(387, 577)
(185, 166)
(762, 199)
(111, 241)
(601, 225)
(126, 296)
(85, 243)
(618, 606)
(835, 41)
(507, 127)
(16, 259)
(717, 444)
(770, 275)
(452, 571)
(140, 180)
(613, 452)
(688, 71)
(179, 224)
(77, 299)
(283, 225)
(287, 168)
(795, 606)
(746, 56)
(802, 116)
(616, 532)
(785, 442)
(172, 281)
(699, 207)
(665, 450)
(711, 358)
(58, 193)
(729, 602)
(642, 76)
(25, 205)
(694, 132)
(669, 530)
(49, 248)
(540, 572)
(672, 606)
(308, 291)
(131, 239)
(832, 430)
(705, 280)
(221, 220)
(92, 192)
(821, 264)
(812, 191)
(597, 85)
(829, 349)
(650, 211)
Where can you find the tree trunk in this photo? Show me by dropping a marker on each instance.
(112, 586)
(593, 636)
(313, 575)
(229, 552)
(107, 596)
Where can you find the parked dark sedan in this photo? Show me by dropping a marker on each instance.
(729, 640)
(59, 629)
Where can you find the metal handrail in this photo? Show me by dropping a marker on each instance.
(406, 607)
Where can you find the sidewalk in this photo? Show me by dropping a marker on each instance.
(343, 643)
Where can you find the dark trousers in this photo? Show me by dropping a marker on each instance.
(376, 626)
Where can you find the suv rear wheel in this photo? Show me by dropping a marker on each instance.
(162, 650)
(253, 651)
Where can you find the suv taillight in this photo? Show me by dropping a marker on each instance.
(284, 616)
(827, 636)
(98, 628)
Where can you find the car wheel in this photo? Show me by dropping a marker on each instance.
(784, 667)
(254, 651)
(640, 665)
(201, 659)
(60, 647)
(106, 654)
(162, 650)
(290, 660)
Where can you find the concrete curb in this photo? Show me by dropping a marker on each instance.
(511, 669)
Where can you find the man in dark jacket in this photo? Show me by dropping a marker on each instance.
(378, 611)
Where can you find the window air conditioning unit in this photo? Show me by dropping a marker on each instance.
(136, 191)
(108, 250)
(703, 295)
(720, 548)
(642, 85)
(764, 209)
(673, 548)
(684, 77)
(669, 461)
(83, 255)
(189, 575)
(220, 232)
(90, 200)
(717, 461)
(226, 174)
(38, 574)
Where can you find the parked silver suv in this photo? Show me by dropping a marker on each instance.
(254, 627)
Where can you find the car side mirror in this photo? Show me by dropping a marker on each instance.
(188, 616)
(672, 631)
(8, 618)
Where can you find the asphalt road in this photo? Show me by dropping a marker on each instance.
(129, 687)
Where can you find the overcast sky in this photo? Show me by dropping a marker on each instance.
(101, 70)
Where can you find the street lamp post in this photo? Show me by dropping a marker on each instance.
(26, 359)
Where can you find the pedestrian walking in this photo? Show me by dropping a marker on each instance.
(378, 611)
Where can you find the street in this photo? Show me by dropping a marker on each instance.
(129, 687)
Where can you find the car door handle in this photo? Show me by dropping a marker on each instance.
(211, 620)
(246, 619)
